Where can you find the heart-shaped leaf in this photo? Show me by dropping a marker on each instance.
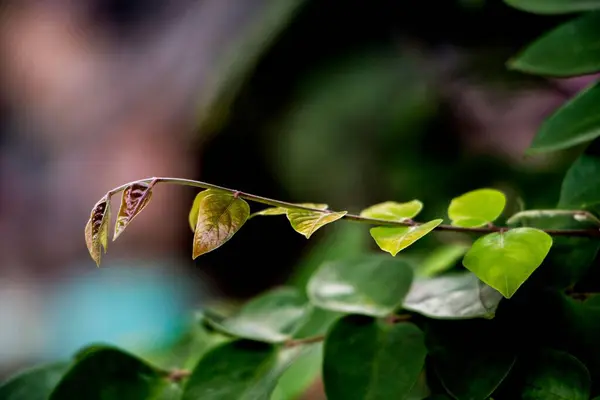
(504, 260)
(134, 199)
(368, 285)
(272, 317)
(219, 216)
(397, 238)
(34, 384)
(104, 372)
(551, 374)
(240, 370)
(455, 296)
(554, 6)
(576, 122)
(441, 259)
(96, 229)
(369, 359)
(569, 50)
(307, 222)
(476, 208)
(283, 211)
(581, 185)
(392, 211)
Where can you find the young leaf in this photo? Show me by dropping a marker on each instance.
(108, 373)
(34, 384)
(282, 211)
(455, 296)
(134, 199)
(554, 6)
(574, 123)
(307, 222)
(395, 239)
(392, 211)
(504, 260)
(551, 374)
(569, 50)
(441, 259)
(96, 229)
(272, 317)
(368, 285)
(220, 216)
(476, 208)
(240, 370)
(369, 359)
(581, 185)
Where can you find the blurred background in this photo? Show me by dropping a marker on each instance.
(347, 103)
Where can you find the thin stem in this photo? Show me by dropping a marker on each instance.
(305, 341)
(592, 232)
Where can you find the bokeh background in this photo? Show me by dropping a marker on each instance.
(345, 102)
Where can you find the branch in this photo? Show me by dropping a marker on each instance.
(590, 232)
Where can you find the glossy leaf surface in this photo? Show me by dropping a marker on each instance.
(453, 296)
(219, 216)
(395, 239)
(369, 285)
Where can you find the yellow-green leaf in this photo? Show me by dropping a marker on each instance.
(283, 211)
(134, 199)
(219, 216)
(476, 208)
(307, 222)
(96, 229)
(394, 239)
(392, 211)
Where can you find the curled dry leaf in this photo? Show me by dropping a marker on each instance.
(96, 229)
(134, 199)
(219, 216)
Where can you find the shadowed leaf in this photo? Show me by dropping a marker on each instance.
(219, 216)
(554, 6)
(134, 199)
(395, 239)
(96, 229)
(34, 384)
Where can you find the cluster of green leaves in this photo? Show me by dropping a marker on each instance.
(382, 326)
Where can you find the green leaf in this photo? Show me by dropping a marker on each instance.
(455, 296)
(240, 370)
(133, 200)
(283, 211)
(307, 222)
(441, 259)
(370, 359)
(554, 6)
(551, 374)
(301, 374)
(392, 211)
(569, 50)
(272, 317)
(34, 384)
(476, 208)
(395, 239)
(581, 185)
(504, 260)
(219, 215)
(109, 373)
(369, 285)
(96, 229)
(574, 123)
(469, 372)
